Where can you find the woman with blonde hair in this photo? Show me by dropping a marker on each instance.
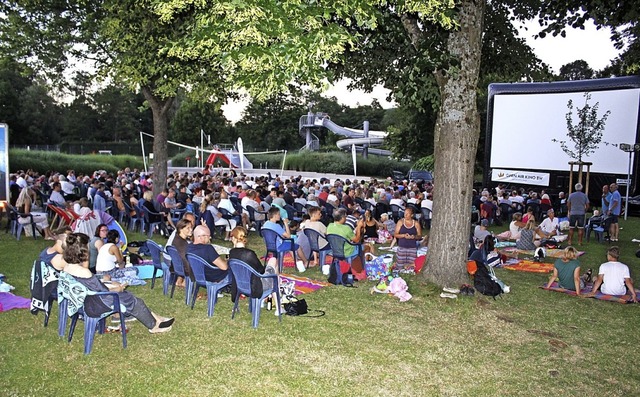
(567, 271)
(527, 240)
(24, 205)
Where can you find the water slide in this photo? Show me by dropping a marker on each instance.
(230, 157)
(354, 137)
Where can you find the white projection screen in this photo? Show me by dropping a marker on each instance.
(525, 118)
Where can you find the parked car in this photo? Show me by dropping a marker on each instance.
(415, 175)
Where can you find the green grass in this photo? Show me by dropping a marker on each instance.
(365, 345)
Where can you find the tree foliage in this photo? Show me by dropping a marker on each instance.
(576, 70)
(586, 134)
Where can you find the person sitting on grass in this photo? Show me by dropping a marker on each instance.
(527, 240)
(613, 277)
(76, 254)
(567, 271)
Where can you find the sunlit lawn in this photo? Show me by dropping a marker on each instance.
(530, 342)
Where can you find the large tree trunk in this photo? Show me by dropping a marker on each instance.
(456, 139)
(160, 110)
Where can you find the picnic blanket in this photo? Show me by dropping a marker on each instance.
(599, 295)
(304, 285)
(10, 301)
(550, 252)
(288, 260)
(530, 267)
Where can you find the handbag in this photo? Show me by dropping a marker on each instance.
(296, 308)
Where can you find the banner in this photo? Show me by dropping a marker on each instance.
(522, 177)
(4, 162)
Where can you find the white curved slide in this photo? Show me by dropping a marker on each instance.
(355, 137)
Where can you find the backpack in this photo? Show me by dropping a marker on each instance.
(484, 283)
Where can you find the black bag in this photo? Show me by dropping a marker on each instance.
(296, 308)
(483, 282)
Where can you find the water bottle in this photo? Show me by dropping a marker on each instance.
(269, 304)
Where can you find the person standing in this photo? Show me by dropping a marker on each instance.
(615, 205)
(577, 205)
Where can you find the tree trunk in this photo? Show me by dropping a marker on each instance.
(456, 139)
(160, 110)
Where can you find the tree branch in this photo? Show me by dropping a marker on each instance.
(410, 24)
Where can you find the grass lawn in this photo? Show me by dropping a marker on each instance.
(529, 343)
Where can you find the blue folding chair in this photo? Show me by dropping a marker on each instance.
(313, 236)
(197, 267)
(242, 274)
(271, 241)
(152, 225)
(70, 290)
(155, 250)
(338, 244)
(178, 270)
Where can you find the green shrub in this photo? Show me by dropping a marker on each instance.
(42, 162)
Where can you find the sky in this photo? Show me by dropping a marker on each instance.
(592, 45)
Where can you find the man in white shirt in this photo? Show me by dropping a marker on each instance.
(613, 277)
(549, 226)
(56, 197)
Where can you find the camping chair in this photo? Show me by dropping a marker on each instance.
(155, 250)
(313, 236)
(74, 293)
(209, 220)
(300, 209)
(292, 214)
(41, 276)
(338, 243)
(198, 266)
(426, 217)
(381, 208)
(252, 218)
(271, 241)
(505, 212)
(152, 225)
(17, 227)
(179, 271)
(396, 212)
(242, 274)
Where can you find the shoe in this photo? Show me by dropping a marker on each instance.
(160, 330)
(220, 295)
(166, 323)
(446, 295)
(451, 290)
(470, 291)
(253, 229)
(113, 329)
(278, 312)
(506, 289)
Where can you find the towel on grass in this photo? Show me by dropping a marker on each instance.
(550, 252)
(599, 295)
(10, 301)
(303, 285)
(530, 267)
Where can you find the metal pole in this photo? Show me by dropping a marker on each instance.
(626, 203)
(365, 146)
(144, 156)
(202, 148)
